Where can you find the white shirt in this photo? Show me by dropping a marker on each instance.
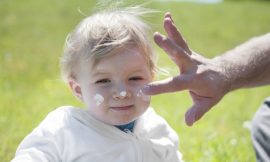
(71, 134)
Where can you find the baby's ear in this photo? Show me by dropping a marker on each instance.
(76, 89)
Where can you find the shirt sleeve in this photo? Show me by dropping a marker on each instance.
(42, 144)
(36, 148)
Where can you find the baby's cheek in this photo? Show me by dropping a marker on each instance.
(142, 100)
(94, 100)
(142, 96)
(98, 99)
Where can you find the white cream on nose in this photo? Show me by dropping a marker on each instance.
(99, 99)
(123, 93)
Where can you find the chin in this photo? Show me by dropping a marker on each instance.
(123, 122)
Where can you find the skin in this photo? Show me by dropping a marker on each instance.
(208, 80)
(117, 79)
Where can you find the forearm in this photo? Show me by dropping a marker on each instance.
(248, 65)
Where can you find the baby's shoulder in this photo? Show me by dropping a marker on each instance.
(57, 119)
(150, 116)
(156, 126)
(62, 110)
(60, 113)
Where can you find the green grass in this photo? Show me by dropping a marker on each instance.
(32, 34)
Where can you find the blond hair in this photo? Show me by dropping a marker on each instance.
(105, 31)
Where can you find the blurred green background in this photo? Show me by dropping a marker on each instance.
(32, 34)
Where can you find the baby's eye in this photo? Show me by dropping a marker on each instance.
(137, 78)
(103, 81)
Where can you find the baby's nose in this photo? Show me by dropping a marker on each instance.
(122, 94)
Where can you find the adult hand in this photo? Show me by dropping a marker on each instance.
(204, 78)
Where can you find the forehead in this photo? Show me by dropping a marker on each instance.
(123, 58)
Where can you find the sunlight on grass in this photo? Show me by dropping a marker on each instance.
(32, 37)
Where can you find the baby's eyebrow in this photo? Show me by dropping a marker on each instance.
(97, 72)
(137, 71)
(100, 72)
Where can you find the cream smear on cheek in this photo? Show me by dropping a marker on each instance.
(99, 99)
(140, 94)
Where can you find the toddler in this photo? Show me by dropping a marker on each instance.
(107, 60)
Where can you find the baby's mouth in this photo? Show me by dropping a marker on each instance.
(122, 108)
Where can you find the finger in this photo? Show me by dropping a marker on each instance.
(174, 34)
(168, 15)
(168, 85)
(196, 112)
(190, 116)
(176, 53)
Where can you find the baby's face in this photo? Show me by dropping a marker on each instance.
(111, 90)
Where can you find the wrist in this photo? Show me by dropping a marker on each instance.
(226, 74)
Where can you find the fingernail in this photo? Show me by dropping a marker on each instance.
(159, 36)
(156, 33)
(145, 88)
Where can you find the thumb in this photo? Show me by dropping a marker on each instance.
(172, 84)
(196, 112)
